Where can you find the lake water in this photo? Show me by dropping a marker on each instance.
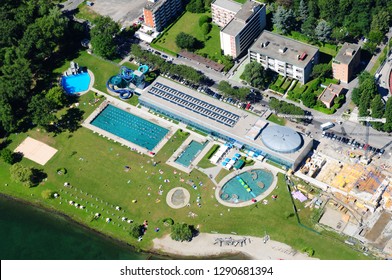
(27, 233)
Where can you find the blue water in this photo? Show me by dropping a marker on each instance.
(76, 83)
(189, 154)
(130, 127)
(233, 186)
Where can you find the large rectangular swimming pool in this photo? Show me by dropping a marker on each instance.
(130, 127)
(190, 152)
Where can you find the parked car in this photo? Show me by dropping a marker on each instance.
(381, 152)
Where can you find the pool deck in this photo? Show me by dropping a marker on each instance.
(184, 145)
(261, 197)
(142, 113)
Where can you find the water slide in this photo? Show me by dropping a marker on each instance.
(242, 182)
(112, 85)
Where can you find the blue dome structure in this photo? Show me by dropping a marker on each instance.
(281, 139)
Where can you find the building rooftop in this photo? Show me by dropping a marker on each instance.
(346, 53)
(284, 49)
(228, 5)
(330, 92)
(238, 130)
(248, 10)
(281, 139)
(154, 4)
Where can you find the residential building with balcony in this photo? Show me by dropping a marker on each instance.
(159, 13)
(223, 11)
(243, 29)
(285, 56)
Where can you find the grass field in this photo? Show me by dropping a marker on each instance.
(85, 12)
(275, 119)
(189, 23)
(205, 162)
(95, 169)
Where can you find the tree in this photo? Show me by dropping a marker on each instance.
(21, 174)
(321, 70)
(284, 20)
(307, 27)
(388, 116)
(136, 230)
(206, 28)
(285, 3)
(186, 41)
(381, 21)
(323, 31)
(203, 19)
(303, 10)
(255, 74)
(7, 155)
(225, 88)
(196, 6)
(308, 99)
(56, 96)
(102, 37)
(181, 232)
(41, 110)
(356, 96)
(378, 110)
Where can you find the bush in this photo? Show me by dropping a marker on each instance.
(61, 171)
(7, 155)
(308, 250)
(212, 151)
(47, 194)
(203, 19)
(21, 174)
(196, 6)
(168, 221)
(181, 232)
(136, 230)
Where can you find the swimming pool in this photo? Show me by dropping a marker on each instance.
(237, 189)
(130, 127)
(190, 152)
(76, 83)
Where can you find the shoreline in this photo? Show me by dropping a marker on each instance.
(163, 255)
(205, 244)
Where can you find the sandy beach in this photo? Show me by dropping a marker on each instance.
(205, 245)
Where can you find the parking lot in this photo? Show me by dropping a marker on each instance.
(121, 11)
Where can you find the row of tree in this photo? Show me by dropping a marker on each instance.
(334, 20)
(158, 63)
(179, 231)
(31, 32)
(282, 107)
(238, 93)
(370, 103)
(198, 6)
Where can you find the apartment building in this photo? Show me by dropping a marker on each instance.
(243, 29)
(223, 11)
(285, 56)
(346, 62)
(159, 13)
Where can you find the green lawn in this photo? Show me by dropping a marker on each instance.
(275, 119)
(95, 169)
(130, 65)
(85, 12)
(223, 173)
(205, 161)
(189, 23)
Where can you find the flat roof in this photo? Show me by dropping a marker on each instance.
(238, 131)
(344, 56)
(330, 92)
(271, 44)
(228, 5)
(154, 5)
(242, 17)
